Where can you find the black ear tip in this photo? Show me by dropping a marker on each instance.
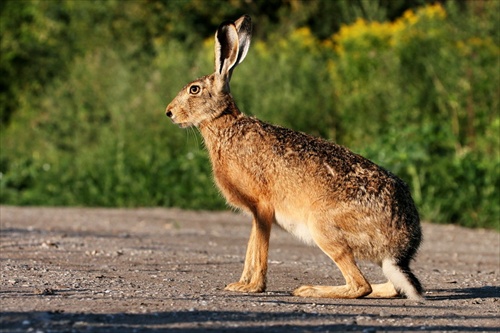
(245, 19)
(225, 24)
(244, 24)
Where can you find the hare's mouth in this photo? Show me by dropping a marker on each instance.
(185, 125)
(181, 124)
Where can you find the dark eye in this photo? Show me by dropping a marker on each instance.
(194, 89)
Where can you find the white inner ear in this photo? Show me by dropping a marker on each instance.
(226, 49)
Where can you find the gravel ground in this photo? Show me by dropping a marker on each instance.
(164, 270)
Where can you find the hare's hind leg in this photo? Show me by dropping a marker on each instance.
(356, 285)
(253, 278)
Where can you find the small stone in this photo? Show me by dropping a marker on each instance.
(385, 314)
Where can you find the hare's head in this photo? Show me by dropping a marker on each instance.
(209, 96)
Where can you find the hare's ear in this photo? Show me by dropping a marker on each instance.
(232, 41)
(226, 50)
(244, 28)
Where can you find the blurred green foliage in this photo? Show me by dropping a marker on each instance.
(412, 85)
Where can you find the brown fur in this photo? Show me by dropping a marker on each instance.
(319, 191)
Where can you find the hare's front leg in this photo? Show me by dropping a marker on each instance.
(253, 278)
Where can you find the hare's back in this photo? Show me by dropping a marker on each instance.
(297, 148)
(333, 170)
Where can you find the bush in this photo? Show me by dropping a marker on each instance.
(94, 140)
(418, 95)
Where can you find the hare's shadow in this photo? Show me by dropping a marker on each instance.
(464, 293)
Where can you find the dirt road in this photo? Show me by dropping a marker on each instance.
(159, 270)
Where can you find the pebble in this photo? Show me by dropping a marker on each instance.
(385, 314)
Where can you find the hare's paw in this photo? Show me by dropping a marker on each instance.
(245, 287)
(331, 292)
(306, 291)
(384, 290)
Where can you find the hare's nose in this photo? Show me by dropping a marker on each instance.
(168, 113)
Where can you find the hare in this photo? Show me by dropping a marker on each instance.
(317, 190)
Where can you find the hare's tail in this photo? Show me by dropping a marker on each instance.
(402, 278)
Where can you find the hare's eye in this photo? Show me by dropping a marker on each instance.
(194, 89)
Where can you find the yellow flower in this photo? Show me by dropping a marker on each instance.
(304, 37)
(362, 35)
(409, 17)
(433, 11)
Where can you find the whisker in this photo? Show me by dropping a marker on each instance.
(192, 136)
